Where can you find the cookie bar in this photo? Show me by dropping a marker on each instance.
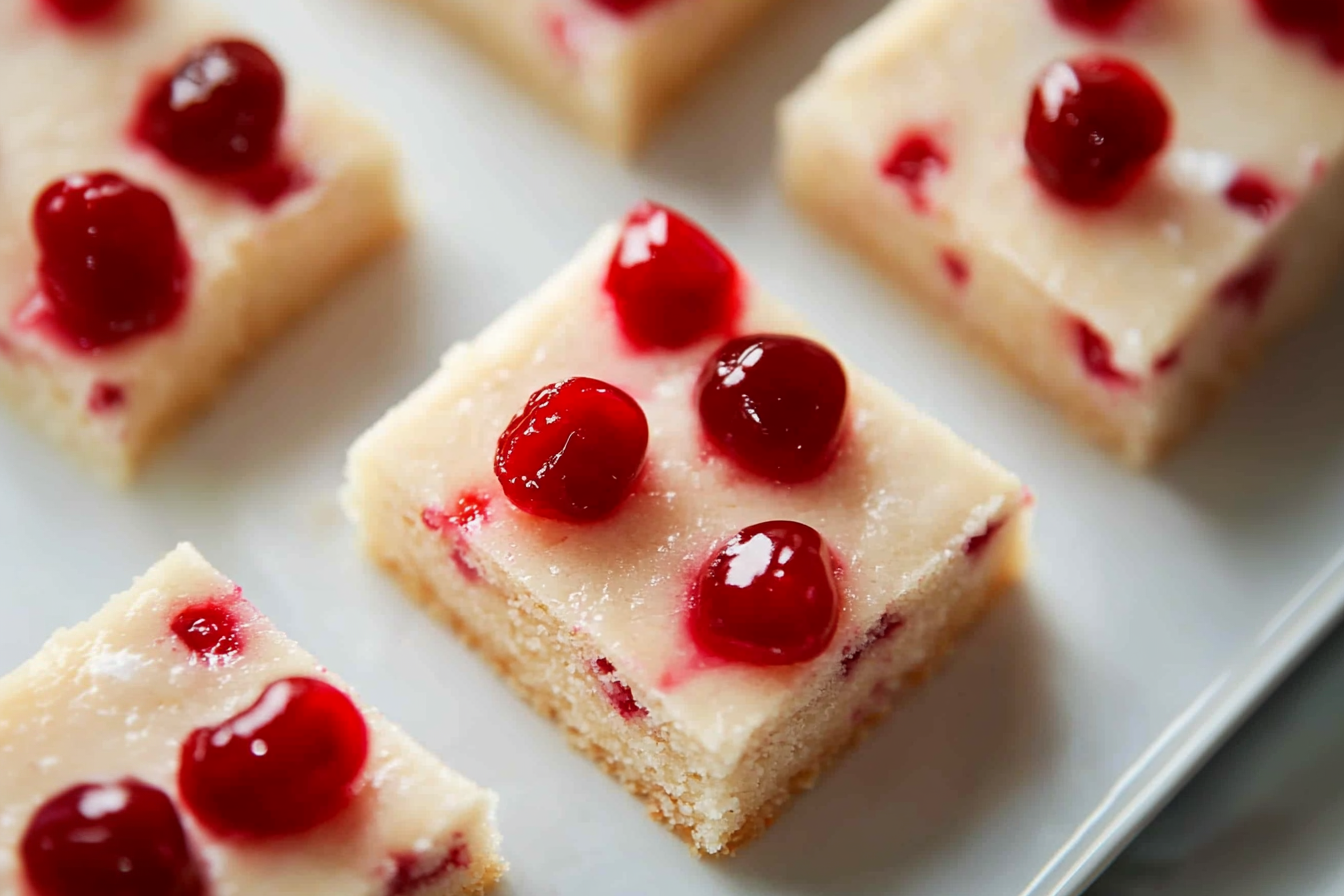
(176, 744)
(683, 527)
(168, 207)
(1121, 202)
(611, 67)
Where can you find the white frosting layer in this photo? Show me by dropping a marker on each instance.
(898, 506)
(68, 99)
(117, 695)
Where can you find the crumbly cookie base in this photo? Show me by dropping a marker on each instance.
(715, 813)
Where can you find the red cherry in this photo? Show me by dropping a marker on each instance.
(219, 114)
(1095, 127)
(957, 268)
(768, 597)
(105, 398)
(775, 405)
(1321, 21)
(79, 12)
(1094, 350)
(282, 766)
(625, 8)
(119, 839)
(1097, 16)
(617, 692)
(574, 451)
(1253, 194)
(915, 159)
(210, 630)
(671, 283)
(1247, 289)
(112, 266)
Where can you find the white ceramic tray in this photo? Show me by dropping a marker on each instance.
(1159, 609)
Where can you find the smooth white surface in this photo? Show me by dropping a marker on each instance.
(1266, 815)
(1145, 590)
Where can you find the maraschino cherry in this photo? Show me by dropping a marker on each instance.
(671, 283)
(219, 113)
(1319, 21)
(574, 451)
(1095, 127)
(80, 12)
(115, 839)
(625, 8)
(775, 405)
(112, 266)
(211, 630)
(284, 765)
(768, 597)
(1096, 16)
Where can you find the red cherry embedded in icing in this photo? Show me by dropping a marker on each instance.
(219, 113)
(671, 283)
(117, 839)
(574, 451)
(1094, 350)
(1248, 289)
(1321, 21)
(112, 266)
(617, 692)
(769, 597)
(625, 8)
(79, 12)
(1097, 16)
(915, 159)
(775, 405)
(211, 630)
(282, 766)
(1095, 127)
(1253, 194)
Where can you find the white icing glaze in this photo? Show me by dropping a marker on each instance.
(117, 695)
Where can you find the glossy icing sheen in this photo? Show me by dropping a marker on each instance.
(901, 500)
(117, 696)
(1241, 95)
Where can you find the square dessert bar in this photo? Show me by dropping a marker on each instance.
(1121, 202)
(683, 527)
(176, 744)
(166, 206)
(611, 67)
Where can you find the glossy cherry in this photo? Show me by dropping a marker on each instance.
(115, 839)
(574, 451)
(219, 113)
(625, 8)
(768, 597)
(211, 630)
(1097, 16)
(775, 405)
(1320, 21)
(1095, 127)
(79, 12)
(112, 266)
(286, 764)
(671, 282)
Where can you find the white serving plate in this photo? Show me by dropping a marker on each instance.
(1158, 611)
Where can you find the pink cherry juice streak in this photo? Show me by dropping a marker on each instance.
(472, 511)
(689, 661)
(411, 875)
